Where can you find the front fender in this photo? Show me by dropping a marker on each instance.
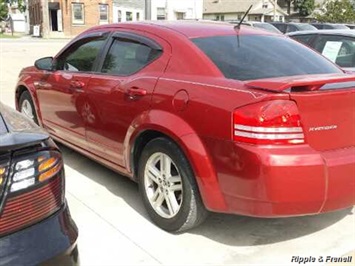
(183, 134)
(26, 83)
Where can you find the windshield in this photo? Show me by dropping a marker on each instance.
(250, 57)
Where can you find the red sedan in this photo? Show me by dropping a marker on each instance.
(204, 116)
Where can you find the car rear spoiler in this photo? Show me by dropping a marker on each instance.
(300, 83)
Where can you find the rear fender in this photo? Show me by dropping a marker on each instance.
(178, 130)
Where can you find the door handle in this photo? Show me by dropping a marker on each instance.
(77, 84)
(135, 92)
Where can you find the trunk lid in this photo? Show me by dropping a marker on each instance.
(326, 105)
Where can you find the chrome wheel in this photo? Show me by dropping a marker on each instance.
(26, 109)
(163, 185)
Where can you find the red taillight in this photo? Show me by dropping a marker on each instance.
(28, 208)
(33, 191)
(271, 122)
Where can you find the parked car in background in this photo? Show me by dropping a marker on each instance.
(35, 224)
(330, 26)
(351, 26)
(337, 45)
(259, 25)
(204, 116)
(292, 26)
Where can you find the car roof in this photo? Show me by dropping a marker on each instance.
(191, 29)
(326, 32)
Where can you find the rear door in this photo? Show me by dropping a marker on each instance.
(60, 92)
(121, 89)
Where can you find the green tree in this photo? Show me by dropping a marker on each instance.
(337, 11)
(305, 7)
(4, 10)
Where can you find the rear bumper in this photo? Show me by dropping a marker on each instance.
(50, 242)
(283, 181)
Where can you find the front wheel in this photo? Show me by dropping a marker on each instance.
(168, 187)
(27, 107)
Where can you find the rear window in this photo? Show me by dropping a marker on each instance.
(250, 57)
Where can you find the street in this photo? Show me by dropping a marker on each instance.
(114, 228)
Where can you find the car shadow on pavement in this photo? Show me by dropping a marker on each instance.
(233, 230)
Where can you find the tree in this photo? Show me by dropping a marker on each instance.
(305, 7)
(4, 10)
(337, 11)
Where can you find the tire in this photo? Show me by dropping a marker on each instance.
(27, 107)
(169, 190)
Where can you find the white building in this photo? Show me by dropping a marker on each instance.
(128, 10)
(174, 9)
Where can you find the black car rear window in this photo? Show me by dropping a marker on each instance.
(250, 57)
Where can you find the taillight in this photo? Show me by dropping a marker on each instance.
(32, 170)
(271, 122)
(34, 190)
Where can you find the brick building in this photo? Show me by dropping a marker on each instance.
(63, 18)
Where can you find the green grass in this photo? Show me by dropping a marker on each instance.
(7, 36)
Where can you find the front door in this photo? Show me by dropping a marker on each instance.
(60, 92)
(121, 91)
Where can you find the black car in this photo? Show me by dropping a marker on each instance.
(330, 26)
(292, 26)
(35, 223)
(337, 45)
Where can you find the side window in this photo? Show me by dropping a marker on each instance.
(338, 49)
(80, 56)
(126, 57)
(305, 39)
(291, 28)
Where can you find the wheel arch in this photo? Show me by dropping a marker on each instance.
(21, 88)
(163, 124)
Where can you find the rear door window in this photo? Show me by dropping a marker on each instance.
(250, 57)
(338, 49)
(127, 56)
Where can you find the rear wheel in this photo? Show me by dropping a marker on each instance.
(168, 187)
(27, 107)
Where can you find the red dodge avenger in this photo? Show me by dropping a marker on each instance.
(204, 117)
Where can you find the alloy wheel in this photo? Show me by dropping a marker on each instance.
(163, 185)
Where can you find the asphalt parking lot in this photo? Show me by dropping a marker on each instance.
(115, 230)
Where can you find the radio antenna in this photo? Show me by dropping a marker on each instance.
(237, 27)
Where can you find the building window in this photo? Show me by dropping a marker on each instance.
(103, 13)
(161, 13)
(222, 17)
(138, 16)
(78, 13)
(180, 15)
(129, 16)
(217, 17)
(119, 16)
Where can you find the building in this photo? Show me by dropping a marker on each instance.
(174, 9)
(128, 10)
(59, 18)
(262, 10)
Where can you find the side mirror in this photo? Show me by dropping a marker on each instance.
(45, 63)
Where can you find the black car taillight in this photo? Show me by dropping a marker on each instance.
(34, 190)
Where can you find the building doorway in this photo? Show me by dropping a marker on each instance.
(53, 19)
